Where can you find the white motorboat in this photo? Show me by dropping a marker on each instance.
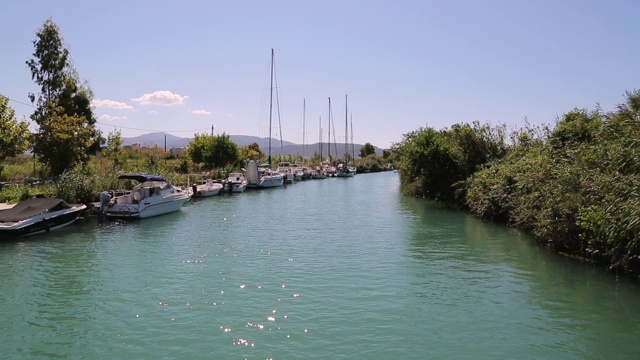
(37, 215)
(298, 172)
(207, 188)
(285, 168)
(152, 196)
(236, 183)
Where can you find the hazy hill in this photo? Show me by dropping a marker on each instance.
(158, 139)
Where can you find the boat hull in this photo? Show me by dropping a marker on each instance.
(202, 191)
(41, 223)
(206, 193)
(272, 181)
(236, 187)
(141, 211)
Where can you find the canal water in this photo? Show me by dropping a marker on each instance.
(333, 269)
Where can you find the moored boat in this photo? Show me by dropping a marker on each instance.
(306, 172)
(343, 170)
(37, 215)
(285, 168)
(153, 196)
(207, 188)
(318, 173)
(262, 177)
(236, 183)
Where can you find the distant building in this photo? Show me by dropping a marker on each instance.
(176, 152)
(135, 145)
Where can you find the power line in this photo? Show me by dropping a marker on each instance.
(19, 102)
(156, 130)
(117, 126)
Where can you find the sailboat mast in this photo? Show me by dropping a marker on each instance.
(346, 129)
(304, 127)
(270, 107)
(329, 134)
(320, 133)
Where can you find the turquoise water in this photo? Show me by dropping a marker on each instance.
(335, 268)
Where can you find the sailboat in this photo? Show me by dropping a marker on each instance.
(318, 172)
(262, 176)
(329, 170)
(343, 169)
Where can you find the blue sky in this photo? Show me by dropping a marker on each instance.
(183, 66)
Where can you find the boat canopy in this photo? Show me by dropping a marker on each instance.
(142, 177)
(31, 207)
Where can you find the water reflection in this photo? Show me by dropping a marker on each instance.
(66, 283)
(492, 275)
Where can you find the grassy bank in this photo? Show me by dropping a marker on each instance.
(575, 187)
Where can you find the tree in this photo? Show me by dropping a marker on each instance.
(250, 152)
(224, 151)
(213, 150)
(14, 135)
(67, 134)
(62, 140)
(113, 151)
(429, 165)
(367, 150)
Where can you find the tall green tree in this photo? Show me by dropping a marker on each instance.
(367, 150)
(250, 152)
(67, 134)
(113, 150)
(14, 134)
(213, 150)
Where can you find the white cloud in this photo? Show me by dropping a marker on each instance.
(106, 117)
(111, 104)
(164, 97)
(200, 112)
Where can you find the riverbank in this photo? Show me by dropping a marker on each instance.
(573, 187)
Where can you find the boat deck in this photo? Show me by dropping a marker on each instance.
(5, 206)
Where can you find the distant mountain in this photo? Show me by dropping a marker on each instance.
(159, 139)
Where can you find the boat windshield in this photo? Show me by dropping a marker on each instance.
(153, 184)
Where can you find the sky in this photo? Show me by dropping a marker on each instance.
(183, 67)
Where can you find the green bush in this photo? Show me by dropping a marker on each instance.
(78, 186)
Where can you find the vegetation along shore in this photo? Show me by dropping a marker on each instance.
(574, 187)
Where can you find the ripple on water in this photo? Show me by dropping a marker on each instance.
(323, 269)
